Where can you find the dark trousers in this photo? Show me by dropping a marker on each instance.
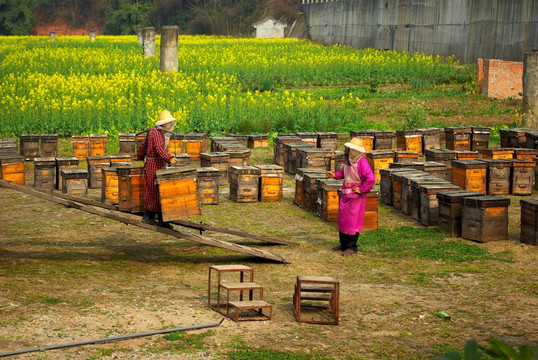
(349, 241)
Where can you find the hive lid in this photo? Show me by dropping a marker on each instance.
(433, 164)
(329, 184)
(408, 165)
(329, 135)
(456, 196)
(80, 137)
(49, 136)
(292, 146)
(237, 136)
(98, 159)
(175, 172)
(109, 169)
(269, 167)
(287, 138)
(372, 193)
(519, 151)
(29, 137)
(176, 136)
(429, 188)
(66, 161)
(313, 150)
(469, 164)
(430, 131)
(497, 162)
(306, 134)
(408, 132)
(72, 173)
(98, 136)
(380, 154)
(390, 171)
(129, 170)
(215, 155)
(481, 130)
(441, 154)
(529, 204)
(300, 172)
(416, 182)
(458, 130)
(485, 201)
(406, 153)
(238, 154)
(258, 137)
(11, 159)
(195, 136)
(207, 171)
(120, 158)
(308, 177)
(128, 135)
(245, 170)
(45, 161)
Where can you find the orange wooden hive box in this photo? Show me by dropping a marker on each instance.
(244, 183)
(270, 182)
(110, 185)
(81, 146)
(131, 188)
(95, 163)
(98, 144)
(175, 144)
(195, 144)
(409, 140)
(525, 154)
(219, 161)
(485, 218)
(379, 159)
(308, 137)
(371, 211)
(178, 192)
(470, 175)
(258, 141)
(458, 138)
(498, 153)
(367, 137)
(12, 168)
(208, 185)
(328, 198)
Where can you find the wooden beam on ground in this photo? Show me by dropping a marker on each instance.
(114, 215)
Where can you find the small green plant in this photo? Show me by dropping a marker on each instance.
(50, 301)
(497, 350)
(269, 354)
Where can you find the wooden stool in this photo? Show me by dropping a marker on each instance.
(317, 288)
(220, 269)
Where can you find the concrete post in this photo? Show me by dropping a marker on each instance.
(140, 36)
(52, 36)
(530, 90)
(149, 42)
(169, 41)
(92, 35)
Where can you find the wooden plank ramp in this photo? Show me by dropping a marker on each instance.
(82, 204)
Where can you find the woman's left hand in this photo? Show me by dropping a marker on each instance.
(356, 189)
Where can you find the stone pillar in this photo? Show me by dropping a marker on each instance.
(530, 90)
(52, 36)
(92, 35)
(149, 42)
(140, 36)
(169, 39)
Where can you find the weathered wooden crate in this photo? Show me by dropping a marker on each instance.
(371, 211)
(175, 143)
(497, 176)
(44, 172)
(241, 139)
(367, 137)
(450, 206)
(278, 147)
(29, 146)
(480, 138)
(504, 134)
(314, 158)
(470, 175)
(81, 146)
(522, 177)
(429, 205)
(182, 159)
(131, 188)
(532, 139)
(208, 185)
(64, 163)
(110, 188)
(485, 218)
(338, 162)
(398, 184)
(214, 142)
(407, 189)
(12, 168)
(74, 182)
(120, 160)
(383, 139)
(290, 156)
(498, 153)
(237, 158)
(8, 147)
(178, 192)
(299, 198)
(435, 168)
(440, 155)
(409, 140)
(127, 144)
(458, 138)
(311, 190)
(95, 164)
(195, 144)
(270, 182)
(49, 145)
(219, 161)
(308, 137)
(327, 141)
(517, 137)
(431, 138)
(378, 160)
(414, 193)
(328, 199)
(385, 184)
(244, 183)
(466, 155)
(98, 144)
(258, 141)
(529, 221)
(525, 154)
(415, 165)
(403, 156)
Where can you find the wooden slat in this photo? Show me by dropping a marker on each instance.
(76, 204)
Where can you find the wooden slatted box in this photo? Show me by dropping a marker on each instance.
(241, 139)
(308, 137)
(29, 146)
(458, 138)
(127, 144)
(270, 182)
(110, 187)
(238, 158)
(49, 145)
(532, 139)
(435, 168)
(485, 218)
(278, 147)
(529, 222)
(371, 211)
(195, 144)
(175, 144)
(409, 140)
(443, 156)
(406, 196)
(525, 154)
(244, 183)
(431, 138)
(64, 163)
(44, 172)
(311, 190)
(208, 185)
(429, 205)
(313, 158)
(219, 161)
(497, 176)
(95, 164)
(385, 184)
(8, 147)
(290, 156)
(414, 195)
(522, 177)
(470, 175)
(178, 192)
(504, 134)
(327, 141)
(214, 142)
(367, 137)
(498, 153)
(450, 207)
(12, 168)
(379, 159)
(131, 188)
(328, 198)
(120, 160)
(258, 141)
(416, 165)
(466, 155)
(98, 144)
(74, 182)
(182, 159)
(518, 137)
(398, 184)
(383, 139)
(403, 156)
(299, 198)
(480, 138)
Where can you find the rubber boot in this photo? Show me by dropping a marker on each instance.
(149, 218)
(164, 224)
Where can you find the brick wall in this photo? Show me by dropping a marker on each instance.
(500, 79)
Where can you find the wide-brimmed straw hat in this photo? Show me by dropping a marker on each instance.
(356, 144)
(165, 117)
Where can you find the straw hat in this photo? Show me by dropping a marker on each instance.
(356, 144)
(164, 118)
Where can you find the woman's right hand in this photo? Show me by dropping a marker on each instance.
(173, 161)
(329, 174)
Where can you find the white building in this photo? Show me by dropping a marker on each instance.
(269, 28)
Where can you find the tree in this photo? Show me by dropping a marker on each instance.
(16, 17)
(126, 16)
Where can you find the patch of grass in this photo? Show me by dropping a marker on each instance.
(185, 342)
(269, 354)
(50, 301)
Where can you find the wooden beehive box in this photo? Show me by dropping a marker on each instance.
(98, 144)
(338, 157)
(244, 183)
(480, 138)
(458, 138)
(371, 211)
(258, 141)
(383, 139)
(270, 182)
(435, 168)
(195, 144)
(431, 138)
(409, 140)
(536, 173)
(397, 185)
(127, 144)
(81, 146)
(504, 134)
(497, 176)
(415, 165)
(466, 155)
(498, 153)
(429, 205)
(517, 137)
(525, 154)
(74, 182)
(379, 159)
(367, 137)
(120, 160)
(414, 194)
(403, 156)
(241, 139)
(8, 147)
(470, 175)
(406, 196)
(95, 164)
(131, 188)
(278, 147)
(443, 156)
(532, 139)
(385, 184)
(529, 221)
(29, 146)
(327, 141)
(110, 187)
(522, 177)
(450, 205)
(64, 163)
(49, 145)
(328, 199)
(44, 172)
(178, 192)
(208, 185)
(299, 198)
(219, 161)
(290, 156)
(238, 158)
(308, 137)
(182, 159)
(214, 142)
(12, 168)
(485, 218)
(175, 144)
(314, 158)
(311, 190)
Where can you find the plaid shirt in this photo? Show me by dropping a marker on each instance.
(156, 158)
